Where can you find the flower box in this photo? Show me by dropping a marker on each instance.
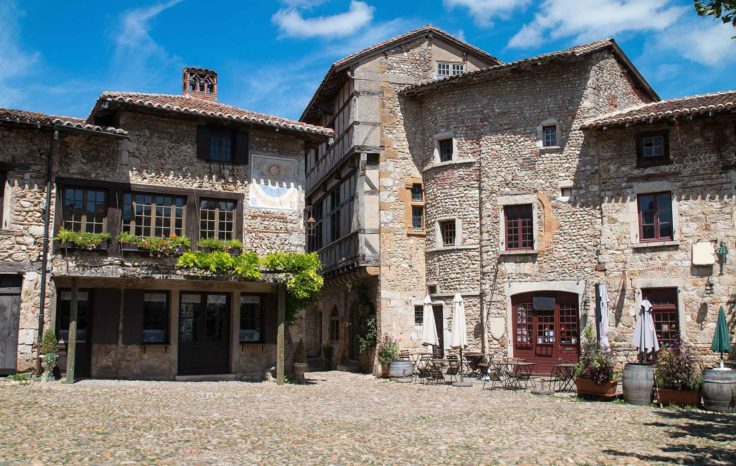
(587, 387)
(669, 396)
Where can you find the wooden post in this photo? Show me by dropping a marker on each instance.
(71, 344)
(280, 333)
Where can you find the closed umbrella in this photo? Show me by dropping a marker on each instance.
(459, 335)
(645, 335)
(429, 328)
(603, 330)
(721, 338)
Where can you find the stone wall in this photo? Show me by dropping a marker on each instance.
(701, 180)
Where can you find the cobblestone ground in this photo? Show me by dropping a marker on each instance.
(341, 418)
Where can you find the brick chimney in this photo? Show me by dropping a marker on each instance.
(200, 83)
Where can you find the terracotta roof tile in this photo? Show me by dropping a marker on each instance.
(194, 106)
(42, 119)
(691, 105)
(576, 51)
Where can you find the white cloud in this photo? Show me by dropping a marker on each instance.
(585, 20)
(15, 62)
(483, 11)
(706, 42)
(139, 60)
(292, 23)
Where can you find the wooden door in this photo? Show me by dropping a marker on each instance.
(546, 329)
(83, 359)
(9, 320)
(204, 333)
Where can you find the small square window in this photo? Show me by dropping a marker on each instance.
(431, 289)
(417, 217)
(416, 192)
(652, 149)
(445, 149)
(655, 217)
(549, 136)
(418, 315)
(448, 232)
(652, 146)
(443, 69)
(566, 192)
(458, 68)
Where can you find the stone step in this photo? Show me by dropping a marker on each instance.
(206, 378)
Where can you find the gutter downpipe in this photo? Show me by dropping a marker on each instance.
(53, 147)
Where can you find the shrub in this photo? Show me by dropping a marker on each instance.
(367, 335)
(49, 343)
(388, 350)
(214, 244)
(594, 364)
(680, 370)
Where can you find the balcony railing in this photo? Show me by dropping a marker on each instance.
(339, 254)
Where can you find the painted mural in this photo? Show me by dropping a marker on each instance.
(273, 183)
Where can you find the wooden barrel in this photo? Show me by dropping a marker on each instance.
(719, 390)
(401, 369)
(638, 383)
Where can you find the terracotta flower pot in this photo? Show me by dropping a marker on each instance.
(668, 396)
(299, 369)
(590, 388)
(385, 368)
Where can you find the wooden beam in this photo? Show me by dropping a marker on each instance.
(280, 333)
(71, 344)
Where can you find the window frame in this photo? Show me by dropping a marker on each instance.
(643, 161)
(445, 141)
(217, 220)
(555, 142)
(660, 310)
(443, 64)
(517, 225)
(418, 314)
(84, 217)
(413, 197)
(657, 232)
(258, 320)
(167, 319)
(445, 226)
(132, 225)
(221, 135)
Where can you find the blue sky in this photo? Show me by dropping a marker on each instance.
(271, 54)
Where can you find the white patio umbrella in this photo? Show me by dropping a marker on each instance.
(645, 335)
(459, 335)
(603, 329)
(429, 328)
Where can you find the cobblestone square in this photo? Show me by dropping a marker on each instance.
(341, 418)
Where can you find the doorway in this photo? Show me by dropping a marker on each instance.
(9, 320)
(83, 348)
(439, 321)
(204, 333)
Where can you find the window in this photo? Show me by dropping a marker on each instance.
(458, 68)
(519, 227)
(221, 147)
(418, 315)
(84, 210)
(335, 326)
(443, 69)
(417, 217)
(155, 317)
(665, 314)
(63, 314)
(445, 149)
(448, 232)
(414, 199)
(217, 219)
(566, 192)
(549, 136)
(652, 148)
(337, 209)
(251, 321)
(416, 192)
(156, 215)
(655, 217)
(314, 241)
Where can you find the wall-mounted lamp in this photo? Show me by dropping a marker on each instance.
(722, 255)
(311, 222)
(709, 284)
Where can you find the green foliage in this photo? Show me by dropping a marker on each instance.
(214, 244)
(679, 370)
(157, 246)
(388, 350)
(300, 355)
(367, 334)
(81, 239)
(725, 10)
(49, 343)
(20, 377)
(303, 281)
(594, 364)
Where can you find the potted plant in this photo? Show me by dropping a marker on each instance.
(81, 239)
(367, 343)
(234, 247)
(328, 351)
(164, 246)
(210, 245)
(49, 352)
(128, 242)
(594, 370)
(300, 361)
(678, 376)
(388, 351)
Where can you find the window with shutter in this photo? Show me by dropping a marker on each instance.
(222, 144)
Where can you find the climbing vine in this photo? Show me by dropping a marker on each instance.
(301, 272)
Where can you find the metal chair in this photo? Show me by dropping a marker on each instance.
(494, 375)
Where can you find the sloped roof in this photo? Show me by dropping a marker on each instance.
(193, 106)
(345, 62)
(720, 102)
(41, 119)
(492, 71)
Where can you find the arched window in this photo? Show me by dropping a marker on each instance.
(335, 325)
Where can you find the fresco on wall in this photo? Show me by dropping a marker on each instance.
(273, 183)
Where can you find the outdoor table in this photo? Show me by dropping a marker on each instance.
(474, 359)
(520, 371)
(563, 373)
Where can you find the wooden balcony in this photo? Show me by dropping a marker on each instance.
(345, 254)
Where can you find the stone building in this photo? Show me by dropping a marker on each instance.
(149, 165)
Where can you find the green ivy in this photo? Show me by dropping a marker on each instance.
(303, 281)
(81, 239)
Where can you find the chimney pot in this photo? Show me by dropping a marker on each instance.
(200, 83)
